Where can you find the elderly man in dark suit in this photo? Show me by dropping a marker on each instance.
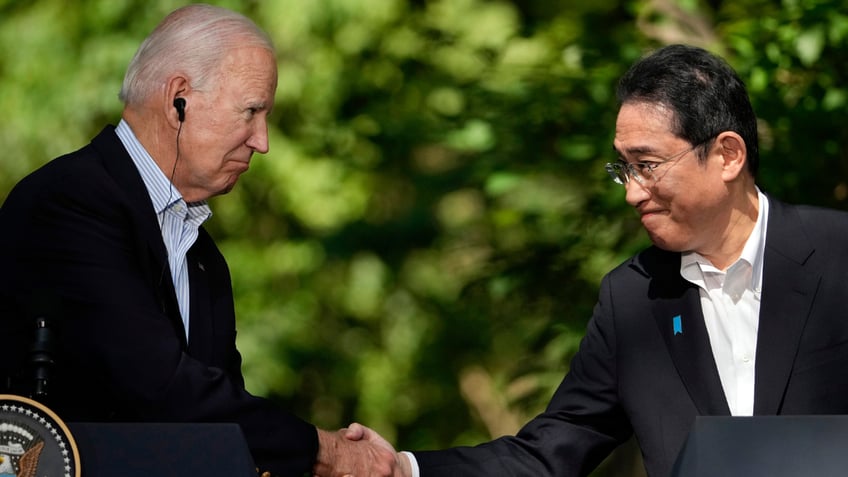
(108, 243)
(738, 309)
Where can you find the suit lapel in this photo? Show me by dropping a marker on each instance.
(201, 326)
(117, 162)
(681, 324)
(788, 293)
(678, 315)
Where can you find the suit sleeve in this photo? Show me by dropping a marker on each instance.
(580, 427)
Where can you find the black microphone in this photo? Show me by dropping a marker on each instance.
(41, 358)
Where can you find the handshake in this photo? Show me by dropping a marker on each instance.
(358, 451)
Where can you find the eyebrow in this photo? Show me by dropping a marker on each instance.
(637, 150)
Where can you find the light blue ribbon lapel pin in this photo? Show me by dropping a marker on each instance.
(677, 324)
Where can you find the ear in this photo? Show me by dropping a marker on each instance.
(731, 147)
(175, 87)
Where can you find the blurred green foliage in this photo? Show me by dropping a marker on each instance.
(421, 248)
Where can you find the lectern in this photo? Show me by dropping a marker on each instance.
(774, 446)
(34, 441)
(168, 449)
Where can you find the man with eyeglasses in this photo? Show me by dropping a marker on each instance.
(738, 308)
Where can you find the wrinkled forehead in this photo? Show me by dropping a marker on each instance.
(253, 68)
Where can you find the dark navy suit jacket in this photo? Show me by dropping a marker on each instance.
(634, 375)
(81, 245)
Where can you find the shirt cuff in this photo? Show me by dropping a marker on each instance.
(412, 463)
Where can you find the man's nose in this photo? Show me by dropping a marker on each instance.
(635, 192)
(258, 141)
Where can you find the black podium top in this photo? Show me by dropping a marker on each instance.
(168, 449)
(774, 446)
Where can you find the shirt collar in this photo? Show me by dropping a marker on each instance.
(756, 245)
(162, 192)
(692, 263)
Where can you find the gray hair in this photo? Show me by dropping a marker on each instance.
(191, 40)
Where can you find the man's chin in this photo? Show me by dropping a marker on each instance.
(670, 246)
(228, 186)
(662, 241)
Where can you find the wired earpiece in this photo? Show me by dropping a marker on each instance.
(180, 104)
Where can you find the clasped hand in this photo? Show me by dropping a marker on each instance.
(358, 451)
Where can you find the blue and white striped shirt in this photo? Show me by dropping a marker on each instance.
(179, 221)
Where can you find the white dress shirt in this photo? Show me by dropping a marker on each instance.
(730, 300)
(178, 220)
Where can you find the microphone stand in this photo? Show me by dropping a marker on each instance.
(41, 359)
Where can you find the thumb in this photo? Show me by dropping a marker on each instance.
(354, 432)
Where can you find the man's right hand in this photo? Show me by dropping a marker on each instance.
(358, 432)
(364, 454)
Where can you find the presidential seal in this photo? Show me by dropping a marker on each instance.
(34, 441)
